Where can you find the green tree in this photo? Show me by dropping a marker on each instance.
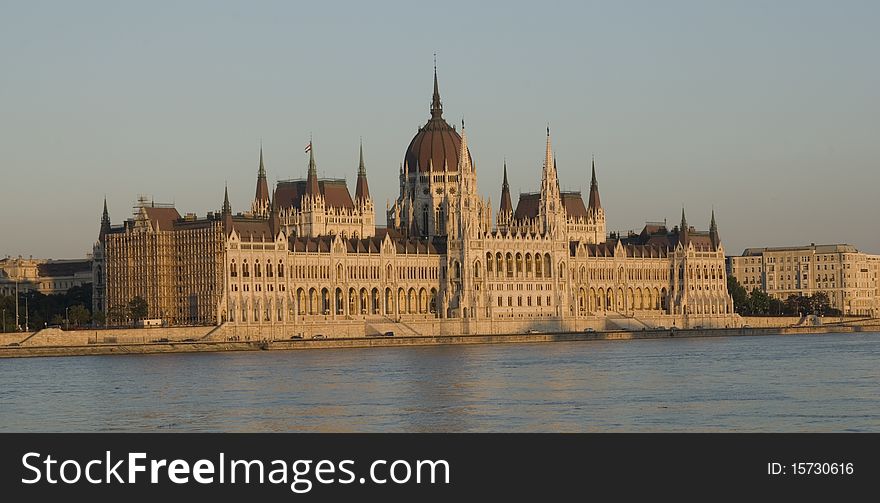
(100, 318)
(137, 307)
(759, 302)
(78, 315)
(739, 295)
(117, 314)
(822, 304)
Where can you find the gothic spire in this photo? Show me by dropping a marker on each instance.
(683, 230)
(506, 205)
(362, 190)
(262, 196)
(227, 208)
(713, 231)
(594, 203)
(312, 178)
(436, 106)
(105, 220)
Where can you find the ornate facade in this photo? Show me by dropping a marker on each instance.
(310, 253)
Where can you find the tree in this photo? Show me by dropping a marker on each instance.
(137, 307)
(739, 295)
(759, 302)
(100, 318)
(78, 315)
(117, 314)
(822, 304)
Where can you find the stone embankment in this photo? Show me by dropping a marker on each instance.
(213, 339)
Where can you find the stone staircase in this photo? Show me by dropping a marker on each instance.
(617, 321)
(388, 325)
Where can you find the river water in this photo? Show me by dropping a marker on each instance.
(789, 383)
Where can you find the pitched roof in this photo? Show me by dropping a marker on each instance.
(162, 218)
(289, 193)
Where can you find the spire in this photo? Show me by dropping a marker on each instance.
(362, 190)
(227, 208)
(549, 180)
(594, 203)
(713, 231)
(436, 106)
(683, 230)
(105, 220)
(506, 206)
(312, 178)
(261, 199)
(464, 158)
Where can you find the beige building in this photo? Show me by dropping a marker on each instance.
(308, 253)
(45, 276)
(848, 276)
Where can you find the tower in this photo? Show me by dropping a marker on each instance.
(505, 211)
(713, 232)
(362, 200)
(260, 206)
(595, 212)
(551, 214)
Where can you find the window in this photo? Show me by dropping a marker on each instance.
(280, 270)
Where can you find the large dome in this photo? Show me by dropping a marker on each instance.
(436, 144)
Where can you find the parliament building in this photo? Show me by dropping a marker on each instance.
(307, 257)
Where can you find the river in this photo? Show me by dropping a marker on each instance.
(785, 383)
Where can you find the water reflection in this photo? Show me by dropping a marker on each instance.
(782, 383)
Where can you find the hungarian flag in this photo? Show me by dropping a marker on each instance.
(308, 147)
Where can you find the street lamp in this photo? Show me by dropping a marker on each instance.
(66, 319)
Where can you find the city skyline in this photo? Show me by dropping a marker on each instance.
(773, 122)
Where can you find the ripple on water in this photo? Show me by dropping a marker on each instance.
(787, 383)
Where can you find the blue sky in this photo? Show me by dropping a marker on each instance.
(768, 111)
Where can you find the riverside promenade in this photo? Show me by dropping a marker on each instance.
(152, 341)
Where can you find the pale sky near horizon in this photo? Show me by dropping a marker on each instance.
(768, 111)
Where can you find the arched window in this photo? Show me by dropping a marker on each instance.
(257, 271)
(280, 269)
(425, 219)
(233, 271)
(269, 269)
(244, 269)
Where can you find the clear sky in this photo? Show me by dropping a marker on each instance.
(768, 111)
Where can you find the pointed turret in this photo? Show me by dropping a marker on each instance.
(506, 205)
(683, 229)
(261, 199)
(227, 208)
(362, 190)
(551, 210)
(436, 106)
(464, 158)
(713, 232)
(312, 178)
(105, 221)
(594, 202)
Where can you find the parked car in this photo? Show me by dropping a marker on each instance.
(318, 336)
(660, 327)
(296, 337)
(388, 334)
(533, 331)
(589, 329)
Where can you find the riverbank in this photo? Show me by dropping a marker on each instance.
(197, 346)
